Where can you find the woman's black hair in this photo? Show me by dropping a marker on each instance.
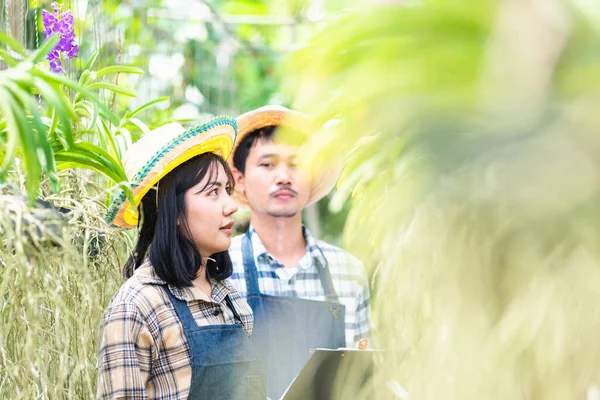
(169, 246)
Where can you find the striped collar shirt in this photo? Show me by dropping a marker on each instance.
(303, 281)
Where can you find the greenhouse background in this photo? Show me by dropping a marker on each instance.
(470, 188)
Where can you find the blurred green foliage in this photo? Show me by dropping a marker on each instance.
(471, 143)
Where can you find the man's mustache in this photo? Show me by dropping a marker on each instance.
(284, 189)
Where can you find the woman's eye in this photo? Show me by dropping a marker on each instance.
(213, 192)
(229, 190)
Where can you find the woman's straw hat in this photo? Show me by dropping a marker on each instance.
(158, 152)
(323, 177)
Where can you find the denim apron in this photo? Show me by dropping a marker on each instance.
(224, 362)
(286, 329)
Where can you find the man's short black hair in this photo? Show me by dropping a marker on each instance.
(287, 134)
(243, 149)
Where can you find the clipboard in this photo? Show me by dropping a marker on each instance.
(329, 373)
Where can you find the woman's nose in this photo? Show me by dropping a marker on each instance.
(230, 206)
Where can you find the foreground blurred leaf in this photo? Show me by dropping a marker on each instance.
(471, 139)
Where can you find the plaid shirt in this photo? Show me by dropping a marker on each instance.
(144, 353)
(347, 273)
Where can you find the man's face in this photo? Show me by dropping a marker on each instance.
(272, 183)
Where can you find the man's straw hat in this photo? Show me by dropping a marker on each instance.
(322, 180)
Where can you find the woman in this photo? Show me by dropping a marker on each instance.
(176, 329)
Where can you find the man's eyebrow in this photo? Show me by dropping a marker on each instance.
(268, 155)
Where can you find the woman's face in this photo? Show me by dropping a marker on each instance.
(209, 210)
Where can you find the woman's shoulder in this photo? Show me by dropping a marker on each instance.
(230, 289)
(138, 294)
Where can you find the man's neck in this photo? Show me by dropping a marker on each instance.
(282, 237)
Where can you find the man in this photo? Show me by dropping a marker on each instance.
(305, 293)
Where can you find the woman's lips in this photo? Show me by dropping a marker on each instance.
(227, 229)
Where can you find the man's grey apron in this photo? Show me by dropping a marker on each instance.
(287, 328)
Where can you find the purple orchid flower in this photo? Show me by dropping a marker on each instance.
(63, 24)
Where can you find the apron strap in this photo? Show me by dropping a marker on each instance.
(331, 297)
(232, 308)
(325, 276)
(183, 311)
(250, 266)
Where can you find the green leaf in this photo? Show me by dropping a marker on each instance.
(113, 88)
(124, 137)
(91, 61)
(53, 125)
(147, 105)
(106, 159)
(119, 69)
(12, 43)
(44, 49)
(8, 59)
(108, 135)
(94, 118)
(83, 78)
(83, 110)
(12, 133)
(45, 154)
(56, 99)
(139, 124)
(78, 158)
(32, 166)
(101, 132)
(104, 110)
(182, 120)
